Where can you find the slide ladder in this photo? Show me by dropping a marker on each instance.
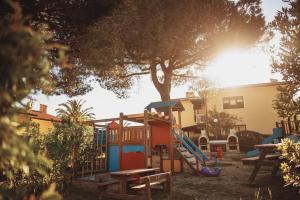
(189, 151)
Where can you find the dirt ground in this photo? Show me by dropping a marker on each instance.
(230, 185)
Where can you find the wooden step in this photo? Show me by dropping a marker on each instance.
(189, 156)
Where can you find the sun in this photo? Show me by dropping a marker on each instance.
(239, 66)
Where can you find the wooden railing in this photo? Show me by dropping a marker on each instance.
(289, 126)
(86, 168)
(131, 135)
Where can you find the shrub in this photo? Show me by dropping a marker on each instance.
(291, 165)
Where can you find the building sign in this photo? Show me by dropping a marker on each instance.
(233, 102)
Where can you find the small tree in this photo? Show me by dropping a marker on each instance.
(74, 112)
(60, 143)
(219, 123)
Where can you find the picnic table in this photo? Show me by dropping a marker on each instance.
(267, 157)
(123, 179)
(125, 176)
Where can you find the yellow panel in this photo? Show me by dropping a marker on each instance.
(167, 165)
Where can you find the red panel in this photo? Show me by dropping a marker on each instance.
(160, 134)
(132, 160)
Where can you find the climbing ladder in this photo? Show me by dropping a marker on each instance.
(189, 151)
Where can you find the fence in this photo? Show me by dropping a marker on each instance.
(289, 126)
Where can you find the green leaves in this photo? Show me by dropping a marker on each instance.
(73, 110)
(165, 39)
(286, 62)
(290, 154)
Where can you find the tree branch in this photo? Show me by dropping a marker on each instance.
(186, 76)
(135, 74)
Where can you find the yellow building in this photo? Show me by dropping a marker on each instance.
(252, 103)
(45, 120)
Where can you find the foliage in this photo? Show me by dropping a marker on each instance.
(24, 68)
(291, 162)
(74, 112)
(287, 61)
(67, 20)
(73, 109)
(60, 143)
(286, 104)
(219, 123)
(166, 40)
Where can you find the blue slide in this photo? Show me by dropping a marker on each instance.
(194, 150)
(277, 133)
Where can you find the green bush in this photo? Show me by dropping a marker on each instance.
(291, 162)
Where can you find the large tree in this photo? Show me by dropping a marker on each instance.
(66, 20)
(287, 61)
(166, 39)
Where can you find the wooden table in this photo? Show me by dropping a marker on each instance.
(266, 158)
(125, 176)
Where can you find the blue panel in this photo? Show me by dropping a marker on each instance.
(133, 148)
(101, 136)
(113, 160)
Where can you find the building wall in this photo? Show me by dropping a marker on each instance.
(187, 116)
(45, 125)
(258, 113)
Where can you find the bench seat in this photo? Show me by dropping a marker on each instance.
(268, 160)
(106, 183)
(143, 184)
(138, 187)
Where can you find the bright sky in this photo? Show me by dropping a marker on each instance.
(234, 67)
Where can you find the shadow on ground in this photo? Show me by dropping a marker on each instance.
(230, 185)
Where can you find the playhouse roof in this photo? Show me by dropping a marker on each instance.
(163, 105)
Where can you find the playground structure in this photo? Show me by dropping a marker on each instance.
(157, 135)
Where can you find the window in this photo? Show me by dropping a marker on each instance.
(233, 102)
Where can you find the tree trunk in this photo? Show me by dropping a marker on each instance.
(164, 88)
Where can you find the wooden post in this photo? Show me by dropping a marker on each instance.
(197, 165)
(180, 126)
(145, 137)
(120, 139)
(181, 165)
(283, 129)
(296, 123)
(171, 152)
(106, 149)
(289, 125)
(179, 119)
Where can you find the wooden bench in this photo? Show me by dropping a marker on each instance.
(268, 161)
(262, 160)
(143, 184)
(104, 185)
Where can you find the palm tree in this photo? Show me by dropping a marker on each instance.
(73, 110)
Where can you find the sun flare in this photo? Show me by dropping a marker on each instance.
(239, 66)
